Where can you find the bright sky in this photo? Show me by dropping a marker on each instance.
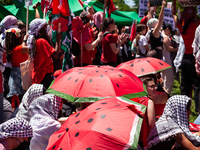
(129, 2)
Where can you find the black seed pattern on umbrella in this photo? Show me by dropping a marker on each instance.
(101, 76)
(77, 134)
(69, 78)
(67, 129)
(59, 135)
(89, 148)
(90, 120)
(118, 105)
(106, 71)
(148, 61)
(79, 72)
(104, 103)
(98, 108)
(90, 80)
(77, 115)
(138, 60)
(142, 69)
(132, 65)
(81, 69)
(120, 75)
(161, 63)
(103, 116)
(97, 71)
(77, 122)
(132, 78)
(76, 80)
(117, 85)
(54, 146)
(61, 149)
(109, 129)
(121, 70)
(66, 72)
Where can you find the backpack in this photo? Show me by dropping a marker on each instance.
(75, 48)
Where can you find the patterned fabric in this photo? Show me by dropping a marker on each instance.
(188, 13)
(196, 49)
(34, 27)
(7, 22)
(46, 105)
(172, 122)
(15, 82)
(15, 127)
(32, 93)
(16, 31)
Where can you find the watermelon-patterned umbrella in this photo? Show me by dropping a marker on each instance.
(144, 66)
(91, 83)
(112, 123)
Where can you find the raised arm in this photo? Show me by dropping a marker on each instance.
(160, 21)
(174, 13)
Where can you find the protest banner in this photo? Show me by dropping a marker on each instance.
(186, 3)
(168, 19)
(169, 5)
(28, 3)
(155, 3)
(143, 7)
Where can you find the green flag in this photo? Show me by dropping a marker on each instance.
(19, 3)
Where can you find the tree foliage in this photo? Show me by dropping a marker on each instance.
(6, 2)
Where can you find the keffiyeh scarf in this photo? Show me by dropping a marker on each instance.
(15, 127)
(46, 105)
(34, 27)
(173, 122)
(32, 93)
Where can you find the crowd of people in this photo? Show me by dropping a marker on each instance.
(28, 117)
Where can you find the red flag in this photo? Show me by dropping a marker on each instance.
(60, 7)
(111, 6)
(81, 2)
(133, 31)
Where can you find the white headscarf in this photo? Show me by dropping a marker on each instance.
(34, 27)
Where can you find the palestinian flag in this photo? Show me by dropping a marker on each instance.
(62, 14)
(19, 3)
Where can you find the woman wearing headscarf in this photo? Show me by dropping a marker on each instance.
(16, 53)
(44, 121)
(187, 26)
(154, 35)
(34, 91)
(42, 52)
(173, 126)
(5, 68)
(14, 132)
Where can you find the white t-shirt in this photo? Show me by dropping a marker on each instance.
(142, 42)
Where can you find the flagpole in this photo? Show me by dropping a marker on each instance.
(104, 7)
(27, 14)
(44, 12)
(81, 51)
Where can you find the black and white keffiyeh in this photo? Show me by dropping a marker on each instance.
(46, 105)
(15, 127)
(172, 122)
(34, 91)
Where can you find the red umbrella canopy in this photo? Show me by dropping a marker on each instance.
(91, 83)
(112, 123)
(144, 66)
